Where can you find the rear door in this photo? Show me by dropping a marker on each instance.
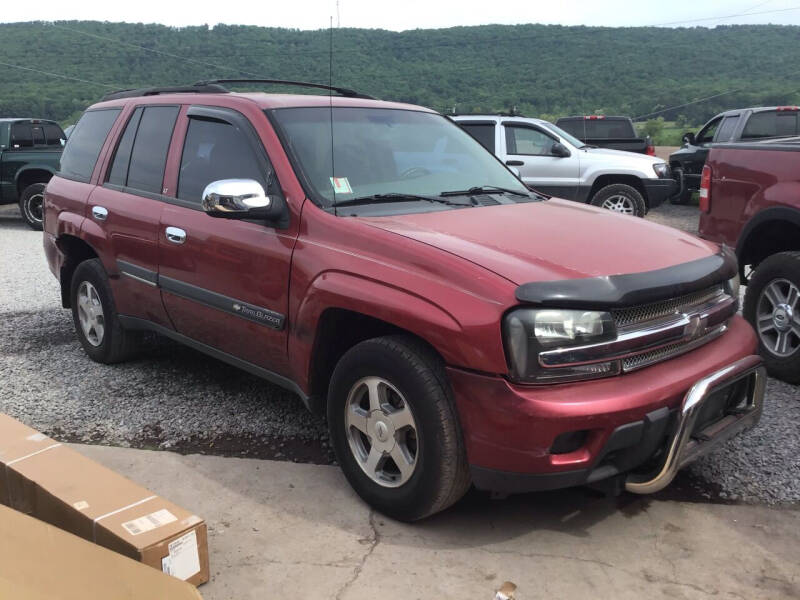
(529, 149)
(127, 208)
(225, 282)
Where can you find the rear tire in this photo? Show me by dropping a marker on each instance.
(413, 419)
(95, 316)
(31, 205)
(621, 198)
(772, 305)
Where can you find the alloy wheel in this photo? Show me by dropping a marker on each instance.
(381, 431)
(619, 203)
(778, 317)
(90, 313)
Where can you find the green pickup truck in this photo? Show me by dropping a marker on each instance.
(30, 151)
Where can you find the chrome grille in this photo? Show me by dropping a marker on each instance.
(630, 317)
(671, 351)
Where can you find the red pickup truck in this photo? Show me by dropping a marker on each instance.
(750, 200)
(454, 326)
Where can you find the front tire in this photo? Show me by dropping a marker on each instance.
(620, 198)
(31, 205)
(772, 305)
(95, 317)
(394, 428)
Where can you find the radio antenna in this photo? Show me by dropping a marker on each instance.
(330, 105)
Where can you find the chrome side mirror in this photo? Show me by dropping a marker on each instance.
(238, 199)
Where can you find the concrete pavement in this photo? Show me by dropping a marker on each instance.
(279, 529)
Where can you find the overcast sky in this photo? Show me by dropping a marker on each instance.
(413, 14)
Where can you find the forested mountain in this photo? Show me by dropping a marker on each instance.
(541, 69)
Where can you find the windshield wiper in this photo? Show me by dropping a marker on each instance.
(396, 197)
(487, 189)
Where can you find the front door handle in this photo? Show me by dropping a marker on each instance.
(515, 163)
(99, 213)
(175, 235)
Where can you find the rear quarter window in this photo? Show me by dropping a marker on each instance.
(482, 132)
(598, 128)
(85, 143)
(771, 124)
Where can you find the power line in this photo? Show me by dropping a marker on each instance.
(154, 51)
(22, 68)
(744, 14)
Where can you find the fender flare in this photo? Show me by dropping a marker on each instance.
(775, 213)
(32, 167)
(379, 300)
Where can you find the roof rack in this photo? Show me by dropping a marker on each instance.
(508, 113)
(200, 88)
(339, 90)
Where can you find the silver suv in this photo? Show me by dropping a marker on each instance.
(552, 161)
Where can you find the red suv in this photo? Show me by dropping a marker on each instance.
(374, 258)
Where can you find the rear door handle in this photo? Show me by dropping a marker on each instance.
(99, 213)
(515, 163)
(175, 235)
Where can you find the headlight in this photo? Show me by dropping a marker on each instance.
(527, 331)
(662, 170)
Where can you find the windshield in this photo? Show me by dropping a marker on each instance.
(378, 151)
(563, 134)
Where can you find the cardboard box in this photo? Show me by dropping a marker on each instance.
(41, 562)
(52, 482)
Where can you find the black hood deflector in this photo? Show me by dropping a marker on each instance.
(622, 291)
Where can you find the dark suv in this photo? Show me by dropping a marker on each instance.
(378, 261)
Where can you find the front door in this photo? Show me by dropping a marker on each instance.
(529, 149)
(225, 282)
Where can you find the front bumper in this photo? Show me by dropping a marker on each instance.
(658, 190)
(627, 422)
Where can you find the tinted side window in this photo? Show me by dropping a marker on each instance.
(214, 150)
(118, 174)
(484, 133)
(21, 135)
(149, 153)
(771, 124)
(531, 142)
(726, 128)
(85, 143)
(707, 133)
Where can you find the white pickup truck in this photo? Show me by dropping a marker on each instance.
(552, 161)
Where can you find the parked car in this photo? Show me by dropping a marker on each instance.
(552, 161)
(617, 133)
(29, 153)
(749, 200)
(454, 326)
(729, 127)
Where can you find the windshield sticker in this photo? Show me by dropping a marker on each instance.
(341, 185)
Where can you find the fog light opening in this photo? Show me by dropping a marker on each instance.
(569, 442)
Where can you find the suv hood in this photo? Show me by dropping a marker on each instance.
(549, 240)
(600, 154)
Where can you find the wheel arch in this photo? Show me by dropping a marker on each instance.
(30, 174)
(75, 251)
(607, 179)
(773, 230)
(330, 321)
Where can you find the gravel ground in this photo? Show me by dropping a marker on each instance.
(175, 398)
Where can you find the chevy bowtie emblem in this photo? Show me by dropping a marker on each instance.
(694, 327)
(237, 307)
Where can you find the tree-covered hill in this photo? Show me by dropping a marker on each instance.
(542, 70)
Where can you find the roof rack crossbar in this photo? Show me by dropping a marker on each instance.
(155, 91)
(339, 90)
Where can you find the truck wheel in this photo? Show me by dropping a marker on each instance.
(772, 305)
(394, 428)
(620, 198)
(94, 314)
(31, 205)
